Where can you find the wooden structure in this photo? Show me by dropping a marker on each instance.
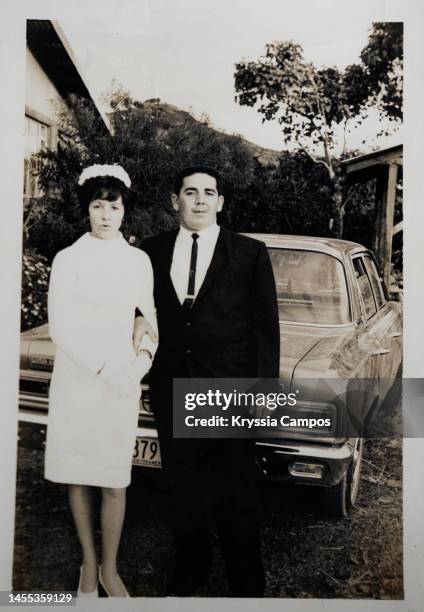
(382, 165)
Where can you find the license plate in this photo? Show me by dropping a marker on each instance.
(147, 453)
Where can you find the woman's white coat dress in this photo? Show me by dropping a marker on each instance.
(95, 287)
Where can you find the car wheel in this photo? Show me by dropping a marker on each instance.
(339, 500)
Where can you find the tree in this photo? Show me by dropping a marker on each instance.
(285, 194)
(312, 105)
(308, 103)
(383, 61)
(151, 141)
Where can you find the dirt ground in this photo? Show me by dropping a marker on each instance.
(305, 555)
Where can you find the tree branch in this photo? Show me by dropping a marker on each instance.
(344, 134)
(313, 158)
(325, 129)
(348, 198)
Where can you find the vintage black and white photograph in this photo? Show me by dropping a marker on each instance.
(212, 193)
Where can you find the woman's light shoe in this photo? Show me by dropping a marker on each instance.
(81, 593)
(105, 589)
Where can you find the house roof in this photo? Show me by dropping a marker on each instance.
(369, 165)
(53, 52)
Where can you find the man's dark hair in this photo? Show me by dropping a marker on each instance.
(189, 170)
(104, 188)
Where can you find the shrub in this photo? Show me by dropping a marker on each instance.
(35, 280)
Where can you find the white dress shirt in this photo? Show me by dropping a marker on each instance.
(180, 266)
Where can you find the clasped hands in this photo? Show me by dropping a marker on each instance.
(141, 328)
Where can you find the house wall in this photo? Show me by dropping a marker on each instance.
(41, 101)
(40, 93)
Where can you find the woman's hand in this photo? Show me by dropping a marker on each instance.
(141, 328)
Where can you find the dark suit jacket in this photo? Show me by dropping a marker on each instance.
(232, 328)
(231, 331)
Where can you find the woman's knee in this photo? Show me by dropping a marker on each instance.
(113, 494)
(79, 491)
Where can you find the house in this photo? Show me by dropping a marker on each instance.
(52, 74)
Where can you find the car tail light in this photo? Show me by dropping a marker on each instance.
(145, 401)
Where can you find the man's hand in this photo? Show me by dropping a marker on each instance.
(142, 327)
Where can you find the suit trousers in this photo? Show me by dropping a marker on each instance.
(210, 479)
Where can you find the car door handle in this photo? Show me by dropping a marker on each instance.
(395, 334)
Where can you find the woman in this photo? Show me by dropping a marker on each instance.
(96, 285)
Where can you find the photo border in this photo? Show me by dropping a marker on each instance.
(12, 58)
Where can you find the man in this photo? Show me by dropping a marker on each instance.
(217, 317)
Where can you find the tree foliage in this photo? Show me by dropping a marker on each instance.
(309, 104)
(312, 105)
(287, 194)
(151, 141)
(383, 61)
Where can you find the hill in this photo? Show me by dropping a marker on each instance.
(172, 115)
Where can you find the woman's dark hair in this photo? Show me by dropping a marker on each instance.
(104, 188)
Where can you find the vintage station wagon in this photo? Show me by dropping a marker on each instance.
(336, 322)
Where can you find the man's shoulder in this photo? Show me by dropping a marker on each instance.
(153, 243)
(242, 242)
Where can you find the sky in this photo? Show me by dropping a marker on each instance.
(186, 56)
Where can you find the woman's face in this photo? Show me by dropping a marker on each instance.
(106, 218)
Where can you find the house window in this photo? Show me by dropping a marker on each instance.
(36, 139)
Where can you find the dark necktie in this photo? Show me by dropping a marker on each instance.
(192, 274)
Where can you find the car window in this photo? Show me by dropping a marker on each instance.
(311, 287)
(375, 281)
(364, 286)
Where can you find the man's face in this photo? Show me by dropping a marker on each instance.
(198, 201)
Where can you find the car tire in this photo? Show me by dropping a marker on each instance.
(338, 501)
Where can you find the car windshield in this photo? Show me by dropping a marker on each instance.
(311, 287)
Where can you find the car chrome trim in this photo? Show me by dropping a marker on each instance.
(39, 402)
(42, 419)
(146, 433)
(338, 325)
(35, 374)
(32, 417)
(281, 447)
(310, 450)
(33, 401)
